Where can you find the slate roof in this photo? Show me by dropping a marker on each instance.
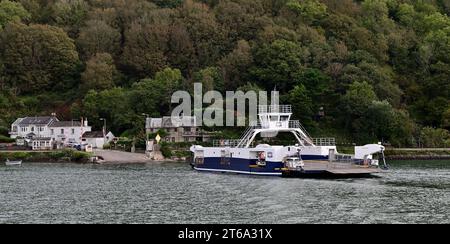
(37, 120)
(65, 124)
(93, 134)
(171, 122)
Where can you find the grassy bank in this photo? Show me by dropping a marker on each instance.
(420, 154)
(407, 153)
(66, 155)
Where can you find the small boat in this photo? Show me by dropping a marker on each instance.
(13, 163)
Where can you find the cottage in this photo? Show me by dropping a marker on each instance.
(179, 129)
(97, 139)
(48, 132)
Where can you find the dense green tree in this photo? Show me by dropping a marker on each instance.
(432, 138)
(355, 104)
(37, 57)
(145, 48)
(206, 34)
(211, 78)
(307, 10)
(279, 64)
(304, 107)
(153, 95)
(12, 11)
(378, 68)
(70, 15)
(105, 104)
(181, 51)
(241, 19)
(99, 73)
(98, 37)
(234, 65)
(168, 3)
(446, 119)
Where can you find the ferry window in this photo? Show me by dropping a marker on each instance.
(269, 155)
(284, 118)
(273, 118)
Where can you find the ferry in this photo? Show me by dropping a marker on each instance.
(302, 159)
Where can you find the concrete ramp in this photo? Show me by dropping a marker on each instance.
(110, 156)
(352, 171)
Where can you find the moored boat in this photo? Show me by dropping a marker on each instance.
(13, 163)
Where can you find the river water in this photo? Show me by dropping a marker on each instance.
(411, 192)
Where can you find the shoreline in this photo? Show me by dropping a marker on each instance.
(418, 154)
(119, 157)
(78, 157)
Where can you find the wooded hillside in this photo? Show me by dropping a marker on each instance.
(380, 69)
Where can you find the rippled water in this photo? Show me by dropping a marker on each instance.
(411, 192)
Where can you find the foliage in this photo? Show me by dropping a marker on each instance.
(12, 11)
(5, 139)
(432, 138)
(4, 130)
(99, 73)
(37, 57)
(166, 150)
(66, 154)
(377, 69)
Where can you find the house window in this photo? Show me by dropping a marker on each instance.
(73, 131)
(32, 129)
(52, 131)
(41, 128)
(62, 131)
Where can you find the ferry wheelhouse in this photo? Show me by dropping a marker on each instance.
(303, 158)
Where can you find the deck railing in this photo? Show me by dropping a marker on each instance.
(275, 109)
(226, 143)
(324, 141)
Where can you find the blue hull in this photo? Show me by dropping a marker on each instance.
(247, 166)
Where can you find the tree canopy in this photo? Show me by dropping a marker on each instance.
(367, 70)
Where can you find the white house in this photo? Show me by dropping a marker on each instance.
(43, 133)
(97, 139)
